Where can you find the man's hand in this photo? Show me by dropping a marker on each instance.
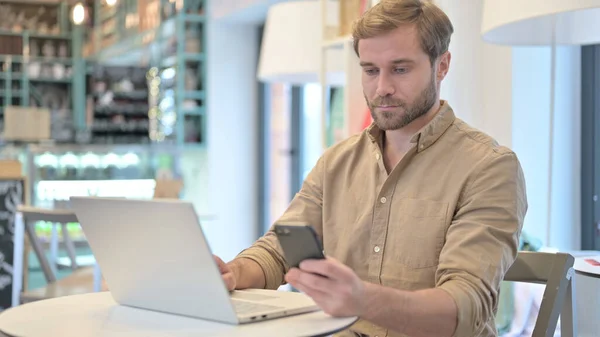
(333, 286)
(227, 273)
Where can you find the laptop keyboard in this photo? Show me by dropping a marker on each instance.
(243, 307)
(244, 295)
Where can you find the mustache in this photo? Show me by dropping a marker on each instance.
(387, 101)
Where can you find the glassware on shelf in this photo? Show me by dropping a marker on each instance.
(48, 49)
(191, 79)
(58, 71)
(68, 166)
(90, 165)
(63, 51)
(60, 171)
(47, 166)
(192, 42)
(34, 69)
(34, 48)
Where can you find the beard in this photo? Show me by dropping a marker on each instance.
(404, 113)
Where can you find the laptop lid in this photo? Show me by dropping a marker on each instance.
(153, 255)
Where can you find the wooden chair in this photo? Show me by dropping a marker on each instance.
(556, 271)
(80, 281)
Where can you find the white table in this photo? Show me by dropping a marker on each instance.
(97, 314)
(588, 266)
(587, 294)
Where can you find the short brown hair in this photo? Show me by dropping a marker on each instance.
(432, 23)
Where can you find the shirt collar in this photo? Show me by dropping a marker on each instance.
(428, 135)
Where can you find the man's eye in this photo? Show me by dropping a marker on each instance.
(400, 70)
(371, 72)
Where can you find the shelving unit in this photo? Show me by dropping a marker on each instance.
(166, 37)
(39, 59)
(118, 105)
(343, 108)
(187, 86)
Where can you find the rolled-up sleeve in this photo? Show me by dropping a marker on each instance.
(267, 253)
(306, 207)
(482, 240)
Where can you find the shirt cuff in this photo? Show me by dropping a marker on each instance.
(272, 272)
(467, 324)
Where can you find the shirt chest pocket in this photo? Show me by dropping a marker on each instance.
(416, 233)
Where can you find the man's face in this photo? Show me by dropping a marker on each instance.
(399, 82)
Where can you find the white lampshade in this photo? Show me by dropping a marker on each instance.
(530, 22)
(291, 46)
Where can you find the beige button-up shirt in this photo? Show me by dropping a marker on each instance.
(448, 216)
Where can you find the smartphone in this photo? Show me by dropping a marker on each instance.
(299, 242)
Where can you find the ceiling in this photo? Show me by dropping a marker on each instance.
(243, 11)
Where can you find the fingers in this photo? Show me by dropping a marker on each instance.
(229, 280)
(313, 286)
(328, 267)
(226, 273)
(317, 295)
(218, 260)
(308, 281)
(222, 266)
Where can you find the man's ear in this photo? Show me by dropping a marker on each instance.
(444, 66)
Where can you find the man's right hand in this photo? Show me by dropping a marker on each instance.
(226, 273)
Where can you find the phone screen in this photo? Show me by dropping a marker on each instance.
(299, 242)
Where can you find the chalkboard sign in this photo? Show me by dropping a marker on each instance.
(12, 194)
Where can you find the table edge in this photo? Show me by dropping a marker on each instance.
(588, 274)
(351, 319)
(326, 334)
(4, 334)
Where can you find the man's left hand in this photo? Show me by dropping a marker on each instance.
(336, 289)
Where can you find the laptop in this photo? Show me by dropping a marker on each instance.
(154, 255)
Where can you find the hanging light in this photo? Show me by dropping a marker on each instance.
(78, 14)
(111, 3)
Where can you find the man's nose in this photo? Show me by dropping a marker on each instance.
(385, 86)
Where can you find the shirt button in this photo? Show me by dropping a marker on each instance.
(377, 249)
(383, 200)
(377, 156)
(422, 145)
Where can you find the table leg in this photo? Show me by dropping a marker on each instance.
(97, 277)
(568, 322)
(69, 246)
(18, 252)
(54, 247)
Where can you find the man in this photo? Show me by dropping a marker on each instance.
(420, 215)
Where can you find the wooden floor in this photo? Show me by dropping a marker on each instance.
(80, 281)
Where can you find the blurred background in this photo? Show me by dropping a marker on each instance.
(233, 102)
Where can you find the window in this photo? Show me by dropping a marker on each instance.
(290, 145)
(590, 145)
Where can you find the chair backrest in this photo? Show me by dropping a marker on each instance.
(556, 271)
(80, 281)
(50, 215)
(30, 216)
